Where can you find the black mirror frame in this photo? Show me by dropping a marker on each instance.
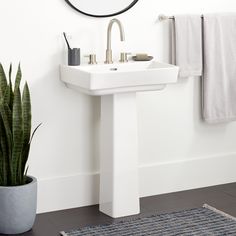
(99, 16)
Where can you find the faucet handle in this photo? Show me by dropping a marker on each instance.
(124, 57)
(92, 59)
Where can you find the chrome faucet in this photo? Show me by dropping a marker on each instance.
(122, 38)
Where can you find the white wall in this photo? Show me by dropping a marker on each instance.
(177, 150)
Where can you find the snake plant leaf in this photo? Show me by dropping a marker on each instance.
(8, 113)
(4, 161)
(6, 125)
(34, 132)
(26, 149)
(5, 167)
(3, 179)
(6, 97)
(3, 81)
(18, 78)
(6, 134)
(6, 103)
(6, 147)
(25, 174)
(6, 173)
(5, 155)
(10, 72)
(25, 152)
(26, 111)
(25, 155)
(1, 169)
(10, 86)
(17, 132)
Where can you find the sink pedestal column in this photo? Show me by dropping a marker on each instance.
(119, 185)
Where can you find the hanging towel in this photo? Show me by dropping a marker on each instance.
(219, 79)
(187, 47)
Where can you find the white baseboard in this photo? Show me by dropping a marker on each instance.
(83, 189)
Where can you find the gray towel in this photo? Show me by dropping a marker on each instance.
(188, 45)
(219, 80)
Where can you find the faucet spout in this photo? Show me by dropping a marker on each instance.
(122, 38)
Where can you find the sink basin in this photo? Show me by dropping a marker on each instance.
(106, 79)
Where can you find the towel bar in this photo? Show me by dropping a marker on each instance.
(164, 17)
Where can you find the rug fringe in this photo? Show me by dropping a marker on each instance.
(219, 212)
(62, 233)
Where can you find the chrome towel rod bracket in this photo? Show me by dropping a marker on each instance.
(164, 17)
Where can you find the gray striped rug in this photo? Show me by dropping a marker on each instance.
(205, 221)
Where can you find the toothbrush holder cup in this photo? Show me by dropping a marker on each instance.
(74, 57)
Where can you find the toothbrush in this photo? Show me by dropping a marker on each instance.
(68, 45)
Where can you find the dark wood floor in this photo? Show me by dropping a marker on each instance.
(222, 197)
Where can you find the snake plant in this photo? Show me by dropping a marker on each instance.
(15, 129)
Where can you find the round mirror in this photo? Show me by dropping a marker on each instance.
(101, 8)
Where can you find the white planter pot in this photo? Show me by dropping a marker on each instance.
(18, 207)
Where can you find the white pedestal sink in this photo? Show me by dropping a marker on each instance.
(117, 84)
